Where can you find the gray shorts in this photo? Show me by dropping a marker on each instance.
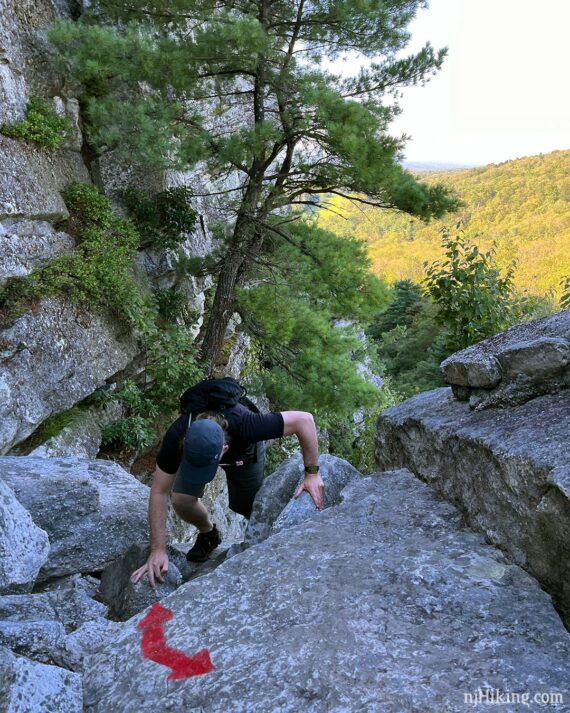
(243, 483)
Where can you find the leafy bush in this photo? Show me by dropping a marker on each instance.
(466, 300)
(171, 364)
(42, 125)
(164, 219)
(171, 304)
(474, 299)
(99, 273)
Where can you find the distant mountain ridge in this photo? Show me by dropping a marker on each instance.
(430, 166)
(522, 205)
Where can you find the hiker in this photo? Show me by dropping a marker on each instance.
(219, 426)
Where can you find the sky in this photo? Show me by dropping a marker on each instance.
(504, 89)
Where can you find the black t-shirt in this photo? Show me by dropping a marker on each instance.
(244, 427)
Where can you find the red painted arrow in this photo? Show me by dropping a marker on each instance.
(155, 648)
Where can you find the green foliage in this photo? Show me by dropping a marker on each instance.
(565, 298)
(171, 364)
(405, 304)
(164, 219)
(171, 304)
(98, 274)
(356, 442)
(51, 427)
(246, 92)
(417, 332)
(305, 361)
(413, 349)
(474, 299)
(242, 59)
(42, 125)
(521, 205)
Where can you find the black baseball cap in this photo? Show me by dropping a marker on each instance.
(203, 450)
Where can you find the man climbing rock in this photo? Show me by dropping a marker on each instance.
(219, 426)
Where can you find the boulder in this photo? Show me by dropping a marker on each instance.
(92, 510)
(508, 470)
(52, 358)
(32, 179)
(526, 361)
(71, 608)
(86, 640)
(82, 437)
(29, 244)
(83, 583)
(27, 686)
(274, 507)
(126, 598)
(24, 547)
(41, 641)
(382, 603)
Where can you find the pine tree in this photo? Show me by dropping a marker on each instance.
(242, 86)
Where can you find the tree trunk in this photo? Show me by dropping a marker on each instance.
(222, 309)
(246, 242)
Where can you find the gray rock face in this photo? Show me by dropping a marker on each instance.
(24, 547)
(13, 94)
(81, 440)
(31, 180)
(127, 599)
(27, 244)
(27, 687)
(70, 608)
(273, 507)
(92, 510)
(382, 603)
(507, 469)
(41, 641)
(83, 583)
(51, 359)
(86, 640)
(510, 368)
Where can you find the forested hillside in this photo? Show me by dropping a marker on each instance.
(522, 205)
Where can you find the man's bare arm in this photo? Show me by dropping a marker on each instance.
(302, 425)
(157, 563)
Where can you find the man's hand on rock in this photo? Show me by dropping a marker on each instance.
(313, 484)
(155, 567)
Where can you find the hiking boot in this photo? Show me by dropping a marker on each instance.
(205, 544)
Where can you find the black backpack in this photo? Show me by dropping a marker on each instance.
(215, 395)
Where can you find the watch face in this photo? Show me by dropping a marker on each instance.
(312, 469)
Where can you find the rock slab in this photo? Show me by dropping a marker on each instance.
(380, 604)
(273, 507)
(29, 687)
(26, 245)
(525, 361)
(508, 470)
(52, 358)
(92, 510)
(24, 547)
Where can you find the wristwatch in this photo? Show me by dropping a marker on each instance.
(311, 469)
